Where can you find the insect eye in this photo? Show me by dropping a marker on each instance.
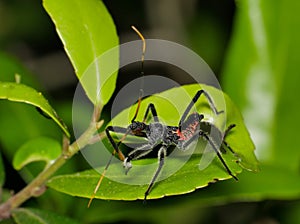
(201, 116)
(133, 126)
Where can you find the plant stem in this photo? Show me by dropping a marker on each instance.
(37, 186)
(31, 188)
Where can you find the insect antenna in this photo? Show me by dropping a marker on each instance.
(120, 154)
(101, 178)
(142, 71)
(106, 168)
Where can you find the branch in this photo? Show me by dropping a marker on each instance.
(37, 186)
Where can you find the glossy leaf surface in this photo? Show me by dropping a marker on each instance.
(90, 40)
(39, 149)
(17, 92)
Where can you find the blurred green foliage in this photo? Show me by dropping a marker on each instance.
(264, 83)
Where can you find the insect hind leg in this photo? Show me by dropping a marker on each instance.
(194, 100)
(225, 134)
(217, 151)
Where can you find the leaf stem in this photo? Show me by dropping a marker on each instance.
(37, 186)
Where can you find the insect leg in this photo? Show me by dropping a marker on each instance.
(225, 134)
(136, 154)
(211, 142)
(205, 135)
(151, 108)
(111, 140)
(194, 100)
(161, 160)
(184, 145)
(229, 129)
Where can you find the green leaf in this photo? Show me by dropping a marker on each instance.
(21, 93)
(189, 178)
(39, 149)
(262, 76)
(170, 105)
(36, 216)
(251, 187)
(2, 172)
(90, 39)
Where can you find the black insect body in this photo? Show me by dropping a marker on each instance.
(157, 134)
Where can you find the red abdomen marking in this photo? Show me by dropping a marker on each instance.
(188, 132)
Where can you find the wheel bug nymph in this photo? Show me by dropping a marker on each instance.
(191, 126)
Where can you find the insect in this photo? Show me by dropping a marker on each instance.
(191, 127)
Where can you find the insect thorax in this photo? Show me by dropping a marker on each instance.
(156, 133)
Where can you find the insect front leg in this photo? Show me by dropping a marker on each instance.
(136, 154)
(151, 108)
(115, 145)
